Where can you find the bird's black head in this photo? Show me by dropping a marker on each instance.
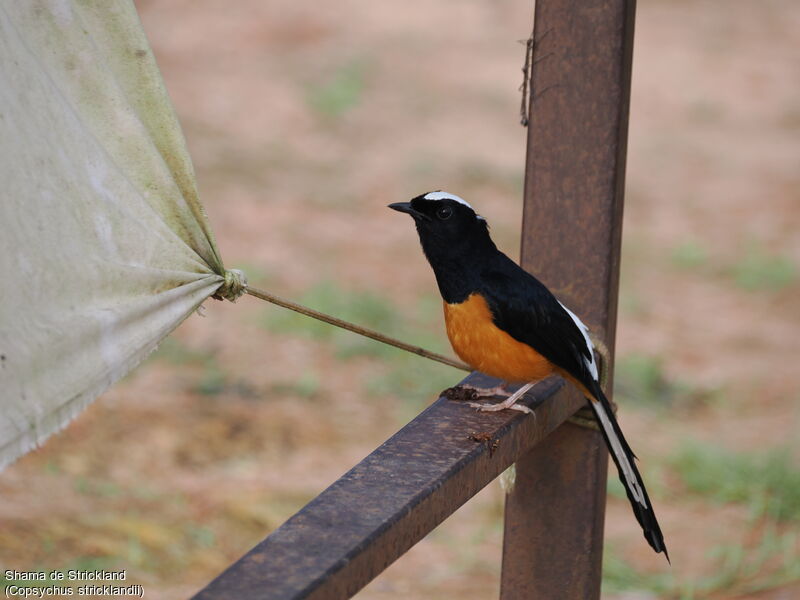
(444, 219)
(454, 238)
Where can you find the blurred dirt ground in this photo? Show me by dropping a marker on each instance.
(304, 120)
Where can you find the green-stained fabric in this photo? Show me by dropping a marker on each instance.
(104, 247)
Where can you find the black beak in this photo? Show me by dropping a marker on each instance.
(405, 207)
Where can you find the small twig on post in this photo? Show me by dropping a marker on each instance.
(527, 67)
(527, 76)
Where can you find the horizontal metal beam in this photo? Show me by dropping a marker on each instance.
(393, 498)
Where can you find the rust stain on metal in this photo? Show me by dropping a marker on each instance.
(484, 437)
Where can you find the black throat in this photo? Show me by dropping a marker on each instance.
(458, 263)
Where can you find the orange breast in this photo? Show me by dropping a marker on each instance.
(489, 349)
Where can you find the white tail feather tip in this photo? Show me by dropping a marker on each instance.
(622, 458)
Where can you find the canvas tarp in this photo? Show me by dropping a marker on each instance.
(104, 247)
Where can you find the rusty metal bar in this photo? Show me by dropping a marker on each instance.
(572, 225)
(393, 498)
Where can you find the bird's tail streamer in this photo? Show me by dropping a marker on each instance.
(625, 460)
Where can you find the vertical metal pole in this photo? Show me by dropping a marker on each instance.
(572, 225)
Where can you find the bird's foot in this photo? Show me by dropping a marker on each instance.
(467, 393)
(508, 403)
(501, 406)
(498, 390)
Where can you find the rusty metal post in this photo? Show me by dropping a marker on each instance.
(572, 225)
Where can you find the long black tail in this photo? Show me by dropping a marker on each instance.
(628, 473)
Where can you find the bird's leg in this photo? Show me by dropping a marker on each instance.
(498, 390)
(509, 402)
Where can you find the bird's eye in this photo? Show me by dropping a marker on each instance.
(444, 213)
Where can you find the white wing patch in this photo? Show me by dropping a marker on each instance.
(445, 196)
(589, 362)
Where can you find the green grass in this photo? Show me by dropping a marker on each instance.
(771, 562)
(369, 309)
(620, 576)
(414, 380)
(689, 255)
(212, 382)
(201, 535)
(759, 270)
(614, 487)
(756, 269)
(211, 379)
(174, 352)
(98, 488)
(411, 378)
(340, 92)
(306, 386)
(630, 301)
(767, 482)
(641, 380)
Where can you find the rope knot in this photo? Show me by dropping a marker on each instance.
(233, 287)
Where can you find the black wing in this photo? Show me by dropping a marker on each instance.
(523, 307)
